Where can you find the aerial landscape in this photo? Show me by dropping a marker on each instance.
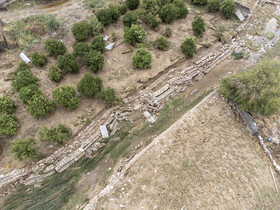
(139, 104)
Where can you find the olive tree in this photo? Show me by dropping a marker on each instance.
(7, 105)
(142, 59)
(26, 93)
(89, 86)
(97, 43)
(227, 8)
(95, 60)
(68, 63)
(24, 78)
(135, 34)
(189, 47)
(198, 26)
(55, 47)
(40, 107)
(24, 149)
(8, 124)
(65, 96)
(38, 59)
(81, 31)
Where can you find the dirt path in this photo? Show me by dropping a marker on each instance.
(207, 159)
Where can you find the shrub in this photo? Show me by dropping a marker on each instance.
(142, 59)
(213, 5)
(68, 63)
(55, 74)
(168, 13)
(24, 149)
(26, 93)
(199, 2)
(65, 96)
(96, 26)
(81, 49)
(81, 31)
(238, 55)
(151, 6)
(189, 47)
(108, 95)
(227, 8)
(114, 11)
(40, 107)
(8, 124)
(152, 20)
(7, 105)
(24, 78)
(54, 47)
(52, 24)
(256, 90)
(22, 66)
(134, 34)
(104, 16)
(161, 43)
(198, 26)
(56, 135)
(132, 4)
(95, 60)
(123, 9)
(39, 59)
(89, 86)
(182, 9)
(130, 18)
(167, 32)
(98, 44)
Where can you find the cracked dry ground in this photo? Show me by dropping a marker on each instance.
(206, 160)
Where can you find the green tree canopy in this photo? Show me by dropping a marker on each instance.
(8, 124)
(95, 60)
(7, 105)
(39, 106)
(81, 31)
(24, 78)
(227, 8)
(55, 47)
(198, 26)
(189, 47)
(68, 63)
(135, 34)
(89, 86)
(24, 149)
(65, 96)
(142, 59)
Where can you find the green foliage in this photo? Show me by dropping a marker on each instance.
(213, 5)
(168, 13)
(189, 47)
(152, 20)
(167, 32)
(56, 135)
(161, 43)
(81, 49)
(7, 105)
(199, 2)
(22, 66)
(40, 107)
(142, 59)
(182, 9)
(108, 95)
(198, 26)
(8, 124)
(114, 10)
(256, 90)
(151, 6)
(96, 26)
(24, 78)
(54, 74)
(26, 93)
(65, 96)
(97, 43)
(89, 86)
(104, 17)
(134, 34)
(52, 24)
(227, 8)
(94, 3)
(132, 4)
(55, 47)
(68, 63)
(95, 60)
(39, 59)
(123, 9)
(238, 55)
(81, 31)
(24, 149)
(130, 18)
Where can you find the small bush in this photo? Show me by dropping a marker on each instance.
(152, 20)
(114, 11)
(54, 74)
(142, 59)
(81, 49)
(8, 124)
(182, 9)
(134, 34)
(89, 86)
(65, 96)
(56, 135)
(7, 105)
(123, 9)
(189, 47)
(238, 55)
(22, 66)
(168, 13)
(39, 59)
(199, 2)
(227, 8)
(104, 17)
(40, 107)
(24, 78)
(24, 149)
(198, 26)
(130, 18)
(96, 26)
(213, 5)
(81, 31)
(108, 95)
(97, 43)
(151, 6)
(52, 24)
(54, 47)
(68, 63)
(132, 4)
(167, 32)
(95, 61)
(26, 93)
(161, 43)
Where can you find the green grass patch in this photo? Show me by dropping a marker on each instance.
(90, 4)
